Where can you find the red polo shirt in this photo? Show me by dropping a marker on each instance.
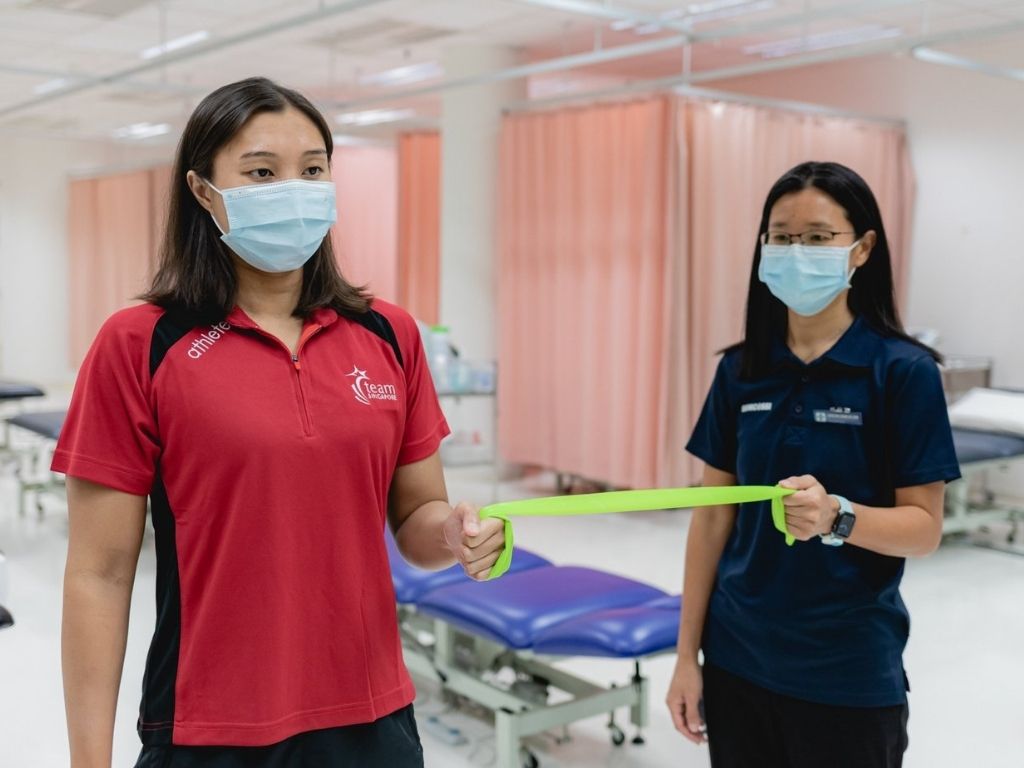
(268, 475)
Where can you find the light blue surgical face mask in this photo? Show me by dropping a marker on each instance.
(277, 227)
(806, 278)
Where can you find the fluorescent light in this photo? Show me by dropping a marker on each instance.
(404, 75)
(933, 56)
(137, 131)
(174, 45)
(712, 6)
(714, 11)
(348, 140)
(776, 48)
(375, 116)
(695, 13)
(51, 85)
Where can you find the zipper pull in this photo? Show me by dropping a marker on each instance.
(295, 362)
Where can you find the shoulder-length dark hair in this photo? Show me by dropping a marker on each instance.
(871, 289)
(196, 274)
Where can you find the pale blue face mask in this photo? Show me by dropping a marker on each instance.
(277, 227)
(806, 278)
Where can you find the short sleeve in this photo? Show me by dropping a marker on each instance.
(714, 438)
(110, 434)
(921, 438)
(425, 425)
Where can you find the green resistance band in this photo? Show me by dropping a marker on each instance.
(633, 501)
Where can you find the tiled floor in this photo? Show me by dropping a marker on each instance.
(966, 655)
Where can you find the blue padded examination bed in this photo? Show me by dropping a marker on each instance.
(552, 610)
(978, 453)
(34, 471)
(43, 423)
(536, 611)
(412, 583)
(973, 446)
(16, 390)
(519, 610)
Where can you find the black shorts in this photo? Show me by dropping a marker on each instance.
(390, 742)
(750, 727)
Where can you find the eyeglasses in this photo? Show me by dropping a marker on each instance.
(811, 237)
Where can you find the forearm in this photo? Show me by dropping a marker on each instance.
(93, 638)
(904, 531)
(420, 537)
(709, 531)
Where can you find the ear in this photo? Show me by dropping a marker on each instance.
(200, 190)
(862, 253)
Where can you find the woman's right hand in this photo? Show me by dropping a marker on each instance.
(683, 700)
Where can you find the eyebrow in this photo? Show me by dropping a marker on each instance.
(248, 155)
(813, 225)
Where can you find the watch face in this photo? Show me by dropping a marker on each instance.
(844, 525)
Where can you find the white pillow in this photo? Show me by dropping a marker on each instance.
(989, 410)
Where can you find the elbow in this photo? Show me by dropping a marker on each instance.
(930, 542)
(427, 558)
(112, 571)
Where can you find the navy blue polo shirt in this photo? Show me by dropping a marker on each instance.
(819, 623)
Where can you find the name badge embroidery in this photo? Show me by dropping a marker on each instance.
(837, 415)
(755, 407)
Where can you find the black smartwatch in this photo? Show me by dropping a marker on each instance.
(843, 525)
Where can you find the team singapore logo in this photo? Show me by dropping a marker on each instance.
(207, 339)
(366, 391)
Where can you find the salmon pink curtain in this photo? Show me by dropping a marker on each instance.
(113, 225)
(586, 201)
(419, 224)
(626, 238)
(364, 237)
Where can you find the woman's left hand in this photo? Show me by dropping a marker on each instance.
(476, 543)
(810, 511)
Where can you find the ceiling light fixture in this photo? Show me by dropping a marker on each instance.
(714, 11)
(375, 116)
(823, 41)
(404, 75)
(696, 13)
(137, 131)
(51, 85)
(175, 45)
(933, 56)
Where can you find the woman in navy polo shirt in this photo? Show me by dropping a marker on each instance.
(828, 396)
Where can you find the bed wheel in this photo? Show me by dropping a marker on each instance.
(529, 759)
(618, 737)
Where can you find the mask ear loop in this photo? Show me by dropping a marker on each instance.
(215, 222)
(849, 277)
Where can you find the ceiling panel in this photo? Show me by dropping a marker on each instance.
(326, 56)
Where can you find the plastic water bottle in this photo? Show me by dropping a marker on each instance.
(441, 361)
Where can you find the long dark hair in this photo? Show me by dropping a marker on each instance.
(196, 274)
(871, 289)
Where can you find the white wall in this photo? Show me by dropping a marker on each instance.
(967, 271)
(33, 249)
(470, 125)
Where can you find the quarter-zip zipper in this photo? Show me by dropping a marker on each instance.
(307, 334)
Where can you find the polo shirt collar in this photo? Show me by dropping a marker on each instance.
(323, 317)
(856, 348)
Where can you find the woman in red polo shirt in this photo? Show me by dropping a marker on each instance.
(276, 418)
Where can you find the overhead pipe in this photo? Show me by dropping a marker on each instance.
(774, 65)
(616, 53)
